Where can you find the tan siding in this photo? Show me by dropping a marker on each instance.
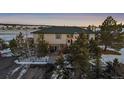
(35, 37)
(91, 36)
(51, 39)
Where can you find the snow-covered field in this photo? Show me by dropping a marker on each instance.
(107, 58)
(110, 57)
(9, 35)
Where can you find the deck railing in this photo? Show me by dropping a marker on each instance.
(34, 59)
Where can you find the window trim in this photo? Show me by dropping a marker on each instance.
(58, 36)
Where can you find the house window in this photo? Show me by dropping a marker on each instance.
(67, 36)
(41, 36)
(76, 37)
(58, 36)
(69, 41)
(70, 36)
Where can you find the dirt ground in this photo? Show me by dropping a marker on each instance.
(6, 65)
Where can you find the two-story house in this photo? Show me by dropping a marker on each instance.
(59, 36)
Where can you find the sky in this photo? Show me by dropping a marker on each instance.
(67, 19)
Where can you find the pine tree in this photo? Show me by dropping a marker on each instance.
(61, 71)
(20, 40)
(79, 53)
(95, 51)
(108, 70)
(42, 47)
(110, 31)
(13, 45)
(112, 69)
(95, 54)
(89, 27)
(115, 67)
(3, 45)
(21, 49)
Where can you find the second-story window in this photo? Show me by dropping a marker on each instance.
(70, 36)
(58, 36)
(41, 36)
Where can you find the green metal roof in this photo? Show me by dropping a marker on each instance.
(61, 30)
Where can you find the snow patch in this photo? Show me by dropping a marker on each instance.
(108, 48)
(6, 52)
(23, 71)
(107, 58)
(16, 69)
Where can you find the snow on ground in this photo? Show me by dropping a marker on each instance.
(106, 58)
(108, 48)
(16, 69)
(23, 71)
(7, 55)
(110, 57)
(6, 52)
(9, 35)
(54, 75)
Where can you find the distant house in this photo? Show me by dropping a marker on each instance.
(58, 36)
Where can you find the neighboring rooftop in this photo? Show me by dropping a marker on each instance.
(62, 30)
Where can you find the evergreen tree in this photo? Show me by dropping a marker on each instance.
(20, 41)
(42, 47)
(110, 31)
(116, 65)
(98, 68)
(79, 53)
(89, 27)
(61, 71)
(1, 41)
(13, 45)
(3, 45)
(95, 54)
(109, 70)
(113, 69)
(18, 45)
(95, 51)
